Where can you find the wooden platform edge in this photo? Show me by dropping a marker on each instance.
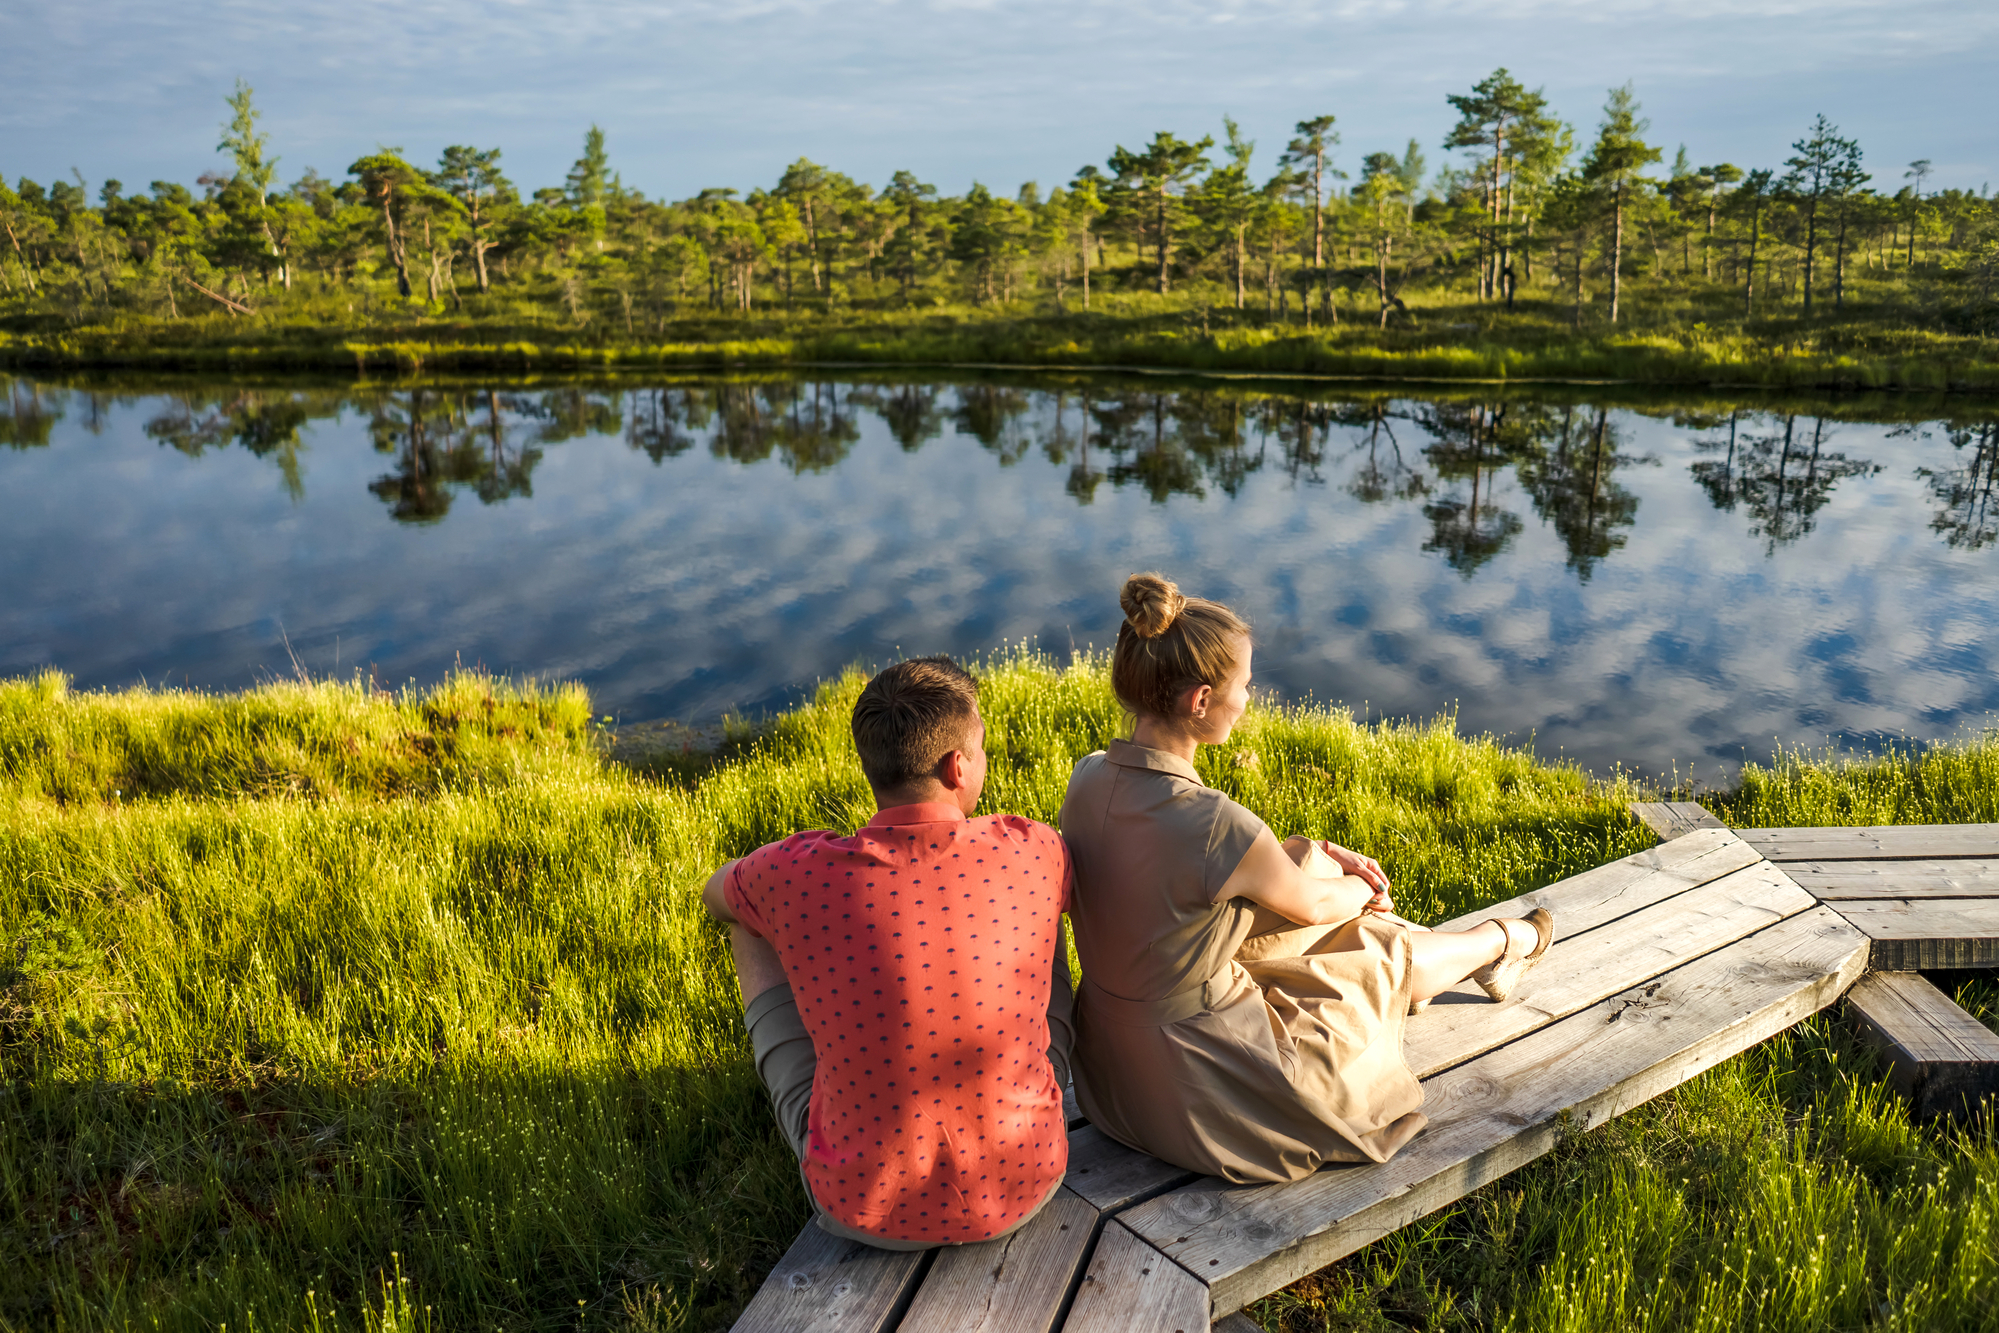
(1942, 1059)
(1674, 819)
(1255, 1240)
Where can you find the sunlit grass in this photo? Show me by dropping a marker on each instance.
(1673, 331)
(321, 1008)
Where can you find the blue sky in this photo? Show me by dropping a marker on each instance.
(699, 94)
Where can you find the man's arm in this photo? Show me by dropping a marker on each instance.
(712, 896)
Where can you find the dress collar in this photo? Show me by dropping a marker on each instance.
(924, 812)
(1128, 755)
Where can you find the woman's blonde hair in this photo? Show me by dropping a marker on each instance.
(1169, 644)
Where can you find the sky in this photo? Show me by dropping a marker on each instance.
(700, 94)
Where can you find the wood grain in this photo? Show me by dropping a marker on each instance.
(1586, 901)
(1016, 1284)
(1494, 1114)
(1673, 819)
(1130, 1287)
(1832, 880)
(1237, 1322)
(1892, 842)
(1941, 1058)
(1916, 934)
(1583, 969)
(824, 1284)
(1110, 1176)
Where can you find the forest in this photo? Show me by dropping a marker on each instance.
(1525, 222)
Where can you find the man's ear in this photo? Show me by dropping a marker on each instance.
(953, 769)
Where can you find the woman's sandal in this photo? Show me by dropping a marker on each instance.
(1498, 978)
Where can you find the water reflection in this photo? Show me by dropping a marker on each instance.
(1778, 468)
(1618, 576)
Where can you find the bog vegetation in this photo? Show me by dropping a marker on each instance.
(1536, 247)
(322, 1008)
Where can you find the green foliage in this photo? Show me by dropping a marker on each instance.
(328, 1029)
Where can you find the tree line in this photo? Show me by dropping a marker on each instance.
(1524, 206)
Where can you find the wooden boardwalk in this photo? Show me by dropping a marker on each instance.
(1669, 962)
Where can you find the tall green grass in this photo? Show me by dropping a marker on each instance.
(1867, 348)
(322, 1008)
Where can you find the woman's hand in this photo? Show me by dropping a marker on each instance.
(1369, 869)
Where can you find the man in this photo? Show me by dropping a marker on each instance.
(905, 988)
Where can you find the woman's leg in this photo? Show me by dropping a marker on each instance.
(1443, 958)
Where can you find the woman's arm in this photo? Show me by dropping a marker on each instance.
(1270, 875)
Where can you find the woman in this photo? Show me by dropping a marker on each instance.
(1243, 999)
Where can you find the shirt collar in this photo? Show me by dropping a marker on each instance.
(1128, 755)
(923, 812)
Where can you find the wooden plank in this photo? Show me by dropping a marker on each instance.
(1016, 1284)
(1502, 1110)
(824, 1284)
(1833, 880)
(1673, 819)
(1927, 934)
(1586, 901)
(1941, 1058)
(1110, 1176)
(1893, 842)
(1130, 1287)
(1582, 969)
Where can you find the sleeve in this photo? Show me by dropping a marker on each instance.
(1229, 839)
(737, 894)
(1068, 870)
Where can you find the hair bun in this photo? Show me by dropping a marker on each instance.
(1151, 603)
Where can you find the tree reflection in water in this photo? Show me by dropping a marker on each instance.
(1781, 477)
(1967, 514)
(1451, 456)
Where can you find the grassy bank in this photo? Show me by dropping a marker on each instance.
(1865, 350)
(326, 1009)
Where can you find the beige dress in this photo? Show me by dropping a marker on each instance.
(1219, 1036)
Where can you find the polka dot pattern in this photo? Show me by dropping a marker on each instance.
(919, 952)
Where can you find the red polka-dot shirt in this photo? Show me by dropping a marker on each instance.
(920, 952)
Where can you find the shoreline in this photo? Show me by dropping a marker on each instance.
(1956, 365)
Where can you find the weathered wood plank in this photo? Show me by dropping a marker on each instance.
(1582, 969)
(824, 1284)
(1673, 819)
(1832, 880)
(1927, 934)
(1129, 1287)
(1941, 1058)
(1016, 1284)
(1110, 1176)
(1496, 1113)
(1891, 842)
(1586, 901)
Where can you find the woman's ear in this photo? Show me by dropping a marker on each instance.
(1197, 700)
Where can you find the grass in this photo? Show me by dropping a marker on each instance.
(323, 1008)
(1669, 336)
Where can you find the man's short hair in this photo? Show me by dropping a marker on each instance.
(910, 716)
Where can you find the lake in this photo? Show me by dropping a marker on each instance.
(1668, 584)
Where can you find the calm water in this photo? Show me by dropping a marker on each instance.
(1621, 581)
